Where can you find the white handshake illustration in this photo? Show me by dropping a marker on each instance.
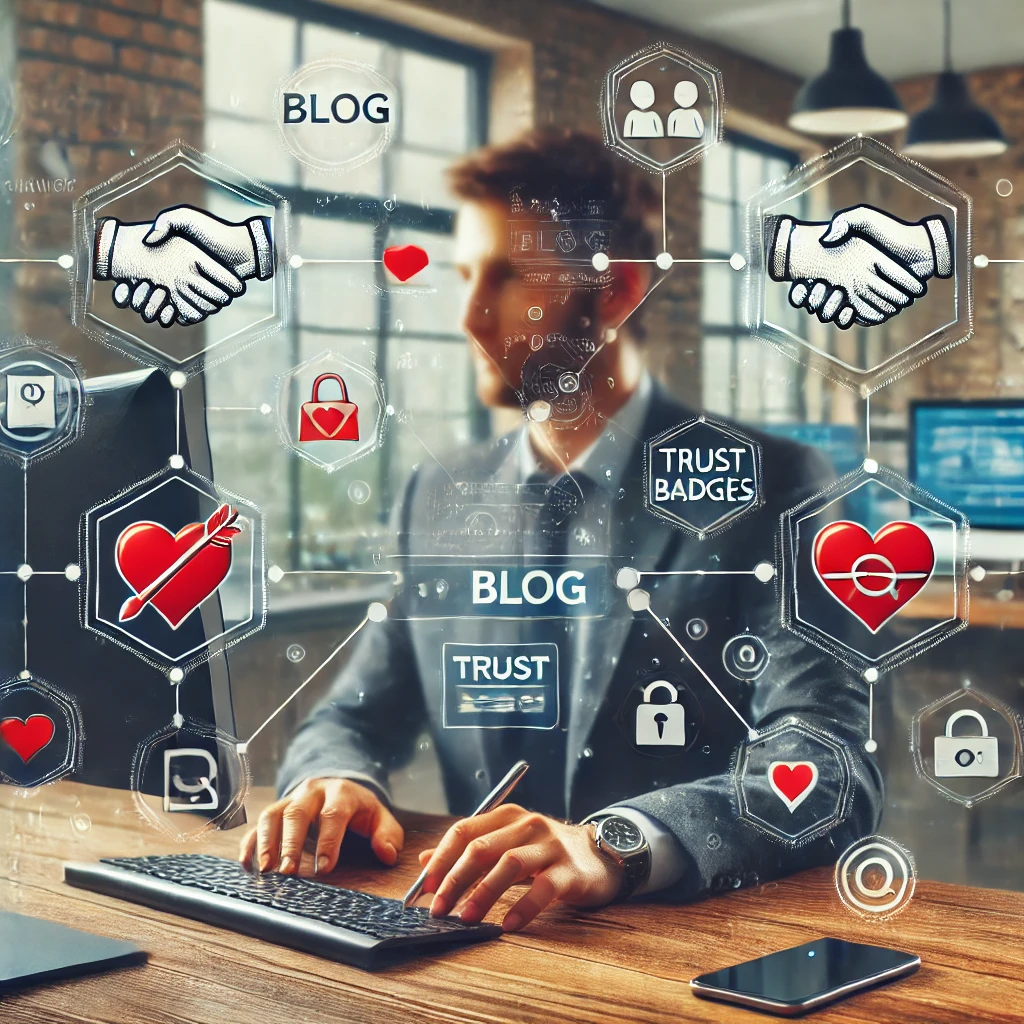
(862, 267)
(184, 266)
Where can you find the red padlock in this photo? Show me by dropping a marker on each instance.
(329, 421)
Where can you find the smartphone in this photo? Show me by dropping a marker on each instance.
(794, 981)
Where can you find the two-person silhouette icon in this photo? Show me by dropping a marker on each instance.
(644, 123)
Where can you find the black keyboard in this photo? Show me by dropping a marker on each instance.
(340, 924)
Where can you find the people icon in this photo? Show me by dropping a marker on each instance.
(684, 122)
(643, 123)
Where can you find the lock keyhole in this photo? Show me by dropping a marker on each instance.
(660, 719)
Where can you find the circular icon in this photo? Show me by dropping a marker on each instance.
(876, 877)
(696, 629)
(745, 657)
(336, 114)
(40, 733)
(549, 377)
(41, 399)
(189, 779)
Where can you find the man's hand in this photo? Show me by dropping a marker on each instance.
(492, 852)
(334, 806)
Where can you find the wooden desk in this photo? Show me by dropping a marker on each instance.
(619, 964)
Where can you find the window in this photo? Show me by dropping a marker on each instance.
(318, 520)
(742, 376)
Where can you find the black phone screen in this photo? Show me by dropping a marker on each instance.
(803, 972)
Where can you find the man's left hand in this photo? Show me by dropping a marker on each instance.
(489, 853)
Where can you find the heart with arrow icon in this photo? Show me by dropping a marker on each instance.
(175, 572)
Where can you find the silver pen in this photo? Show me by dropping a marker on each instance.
(493, 799)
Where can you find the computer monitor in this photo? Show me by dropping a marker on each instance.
(970, 454)
(128, 431)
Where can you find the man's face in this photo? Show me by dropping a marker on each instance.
(496, 300)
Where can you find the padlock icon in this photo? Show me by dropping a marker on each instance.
(961, 757)
(334, 420)
(660, 725)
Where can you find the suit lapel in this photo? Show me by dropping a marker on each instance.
(638, 539)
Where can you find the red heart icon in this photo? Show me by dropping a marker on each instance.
(147, 550)
(405, 261)
(792, 781)
(26, 737)
(873, 577)
(329, 419)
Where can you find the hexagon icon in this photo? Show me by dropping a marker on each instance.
(702, 475)
(180, 259)
(40, 733)
(793, 782)
(662, 108)
(874, 569)
(190, 778)
(174, 569)
(40, 399)
(859, 264)
(968, 745)
(331, 410)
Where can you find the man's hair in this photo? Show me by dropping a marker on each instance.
(573, 169)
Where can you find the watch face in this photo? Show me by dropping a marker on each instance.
(621, 835)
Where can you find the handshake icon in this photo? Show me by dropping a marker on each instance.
(864, 266)
(184, 266)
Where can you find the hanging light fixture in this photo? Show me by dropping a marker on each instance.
(848, 96)
(954, 127)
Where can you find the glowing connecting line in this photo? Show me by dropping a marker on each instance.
(376, 612)
(646, 604)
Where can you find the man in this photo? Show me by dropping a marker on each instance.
(582, 439)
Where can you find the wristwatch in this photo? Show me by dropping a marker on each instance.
(619, 839)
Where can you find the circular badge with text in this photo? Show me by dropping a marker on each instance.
(336, 114)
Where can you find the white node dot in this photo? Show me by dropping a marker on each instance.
(601, 261)
(539, 411)
(275, 574)
(242, 748)
(977, 573)
(981, 261)
(764, 571)
(638, 600)
(377, 612)
(176, 462)
(178, 720)
(24, 572)
(870, 466)
(535, 312)
(295, 262)
(66, 260)
(627, 578)
(1004, 187)
(610, 335)
(24, 674)
(871, 746)
(871, 675)
(72, 572)
(737, 261)
(664, 260)
(178, 379)
(175, 675)
(266, 409)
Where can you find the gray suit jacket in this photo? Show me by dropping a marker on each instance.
(390, 689)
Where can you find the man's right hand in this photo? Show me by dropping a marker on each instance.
(334, 806)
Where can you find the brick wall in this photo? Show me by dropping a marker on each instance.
(100, 85)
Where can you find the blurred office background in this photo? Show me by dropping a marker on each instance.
(100, 85)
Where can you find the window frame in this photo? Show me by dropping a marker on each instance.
(372, 210)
